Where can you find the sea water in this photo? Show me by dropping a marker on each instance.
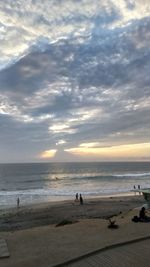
(41, 182)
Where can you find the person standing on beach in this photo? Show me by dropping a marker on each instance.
(139, 189)
(77, 197)
(134, 189)
(81, 200)
(18, 202)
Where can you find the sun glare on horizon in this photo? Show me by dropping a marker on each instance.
(48, 154)
(89, 150)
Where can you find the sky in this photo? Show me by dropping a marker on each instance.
(74, 80)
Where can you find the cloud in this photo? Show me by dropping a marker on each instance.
(76, 71)
(33, 23)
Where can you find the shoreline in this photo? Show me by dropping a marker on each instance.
(61, 199)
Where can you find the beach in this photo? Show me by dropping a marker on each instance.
(34, 240)
(55, 212)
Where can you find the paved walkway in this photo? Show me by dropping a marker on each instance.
(4, 253)
(128, 255)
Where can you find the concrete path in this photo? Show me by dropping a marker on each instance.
(135, 254)
(3, 249)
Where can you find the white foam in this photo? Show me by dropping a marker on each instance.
(133, 174)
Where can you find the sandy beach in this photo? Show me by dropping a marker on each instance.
(34, 240)
(55, 212)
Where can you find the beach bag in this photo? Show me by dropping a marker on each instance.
(135, 219)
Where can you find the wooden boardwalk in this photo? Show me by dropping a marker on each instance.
(136, 254)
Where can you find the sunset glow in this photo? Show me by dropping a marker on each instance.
(134, 151)
(48, 154)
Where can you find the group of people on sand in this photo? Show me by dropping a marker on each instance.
(79, 198)
(138, 188)
(142, 216)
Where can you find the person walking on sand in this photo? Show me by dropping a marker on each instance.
(18, 202)
(77, 197)
(81, 200)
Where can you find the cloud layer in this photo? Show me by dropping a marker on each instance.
(73, 73)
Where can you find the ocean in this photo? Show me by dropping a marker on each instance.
(45, 182)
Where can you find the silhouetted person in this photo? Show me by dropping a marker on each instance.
(18, 202)
(142, 215)
(139, 188)
(81, 200)
(77, 197)
(134, 189)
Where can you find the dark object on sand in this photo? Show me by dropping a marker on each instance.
(64, 222)
(135, 219)
(142, 216)
(112, 224)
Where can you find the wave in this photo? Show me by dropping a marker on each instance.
(105, 176)
(133, 174)
(46, 192)
(26, 192)
(81, 177)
